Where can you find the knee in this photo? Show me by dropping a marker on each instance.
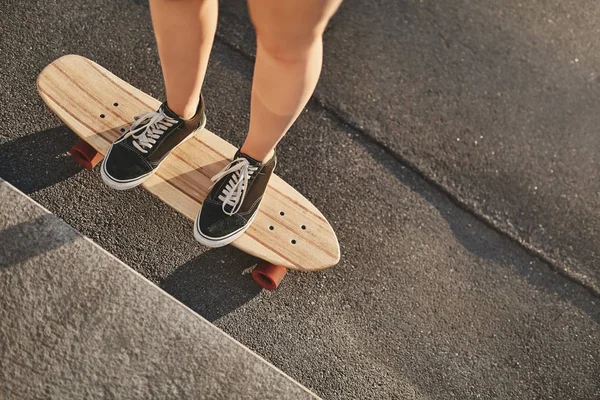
(288, 46)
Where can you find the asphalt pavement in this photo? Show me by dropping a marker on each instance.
(447, 287)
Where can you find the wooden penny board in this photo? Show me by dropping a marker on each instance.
(288, 230)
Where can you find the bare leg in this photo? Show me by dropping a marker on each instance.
(288, 64)
(185, 31)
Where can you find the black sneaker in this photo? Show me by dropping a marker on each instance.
(233, 201)
(138, 153)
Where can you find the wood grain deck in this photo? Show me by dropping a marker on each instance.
(288, 230)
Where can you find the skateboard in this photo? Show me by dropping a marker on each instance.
(289, 232)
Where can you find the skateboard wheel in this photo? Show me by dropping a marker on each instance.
(85, 155)
(268, 275)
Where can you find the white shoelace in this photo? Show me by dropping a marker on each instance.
(148, 127)
(234, 193)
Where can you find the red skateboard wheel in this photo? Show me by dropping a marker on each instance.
(268, 275)
(85, 155)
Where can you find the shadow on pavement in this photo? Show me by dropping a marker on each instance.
(38, 160)
(214, 283)
(473, 236)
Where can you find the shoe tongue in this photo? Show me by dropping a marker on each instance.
(169, 112)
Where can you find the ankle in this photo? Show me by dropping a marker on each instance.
(184, 111)
(257, 154)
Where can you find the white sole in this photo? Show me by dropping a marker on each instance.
(124, 185)
(219, 242)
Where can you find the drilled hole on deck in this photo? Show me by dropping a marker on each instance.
(293, 241)
(271, 227)
(303, 226)
(102, 115)
(282, 213)
(122, 129)
(116, 104)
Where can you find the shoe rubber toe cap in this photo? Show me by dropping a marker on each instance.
(214, 223)
(124, 164)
